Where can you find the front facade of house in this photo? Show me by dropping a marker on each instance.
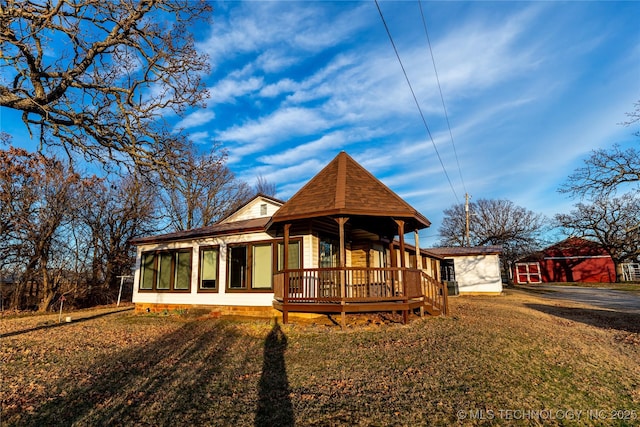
(475, 270)
(330, 248)
(571, 260)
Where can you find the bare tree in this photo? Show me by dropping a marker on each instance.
(203, 191)
(115, 212)
(265, 187)
(96, 77)
(494, 222)
(37, 195)
(611, 221)
(606, 170)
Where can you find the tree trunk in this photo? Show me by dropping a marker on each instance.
(618, 267)
(48, 291)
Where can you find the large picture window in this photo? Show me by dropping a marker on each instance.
(166, 271)
(209, 269)
(251, 265)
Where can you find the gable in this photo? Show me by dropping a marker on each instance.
(260, 206)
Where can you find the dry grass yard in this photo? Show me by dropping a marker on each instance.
(516, 359)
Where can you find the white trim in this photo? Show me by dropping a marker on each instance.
(577, 257)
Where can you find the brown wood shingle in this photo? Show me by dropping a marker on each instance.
(345, 188)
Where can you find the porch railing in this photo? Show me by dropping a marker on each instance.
(357, 284)
(436, 296)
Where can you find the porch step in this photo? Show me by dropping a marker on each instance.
(433, 311)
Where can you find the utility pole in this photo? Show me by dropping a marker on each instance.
(466, 211)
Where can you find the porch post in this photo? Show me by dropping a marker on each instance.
(285, 266)
(416, 237)
(341, 222)
(400, 223)
(392, 254)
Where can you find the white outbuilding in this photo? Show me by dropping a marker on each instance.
(471, 270)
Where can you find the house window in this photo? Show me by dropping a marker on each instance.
(237, 267)
(251, 265)
(329, 253)
(166, 271)
(262, 266)
(447, 270)
(209, 269)
(263, 209)
(148, 271)
(294, 256)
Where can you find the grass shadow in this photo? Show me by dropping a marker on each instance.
(173, 377)
(57, 325)
(274, 404)
(606, 319)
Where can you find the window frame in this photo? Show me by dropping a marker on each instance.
(155, 268)
(333, 258)
(201, 251)
(248, 274)
(279, 268)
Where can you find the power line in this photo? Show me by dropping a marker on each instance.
(424, 121)
(424, 24)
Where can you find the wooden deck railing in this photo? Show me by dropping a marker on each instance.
(359, 285)
(436, 296)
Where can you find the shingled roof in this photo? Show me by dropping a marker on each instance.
(466, 251)
(218, 229)
(345, 188)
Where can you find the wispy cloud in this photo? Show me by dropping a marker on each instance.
(229, 89)
(257, 135)
(195, 119)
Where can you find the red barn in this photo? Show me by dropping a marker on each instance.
(572, 260)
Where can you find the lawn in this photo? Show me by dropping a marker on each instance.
(517, 359)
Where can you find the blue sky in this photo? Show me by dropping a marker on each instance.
(530, 89)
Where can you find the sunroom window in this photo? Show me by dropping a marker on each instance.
(166, 271)
(209, 268)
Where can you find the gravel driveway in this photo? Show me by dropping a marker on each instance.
(609, 299)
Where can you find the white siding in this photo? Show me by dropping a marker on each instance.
(478, 273)
(310, 252)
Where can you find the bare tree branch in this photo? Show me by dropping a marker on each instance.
(119, 67)
(606, 170)
(202, 191)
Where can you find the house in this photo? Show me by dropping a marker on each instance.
(571, 260)
(337, 246)
(471, 270)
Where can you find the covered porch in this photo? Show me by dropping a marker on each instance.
(372, 269)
